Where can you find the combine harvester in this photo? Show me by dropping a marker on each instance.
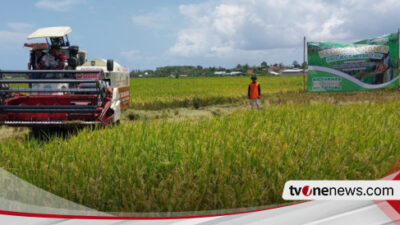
(86, 92)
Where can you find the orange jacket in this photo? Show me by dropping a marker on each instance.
(254, 90)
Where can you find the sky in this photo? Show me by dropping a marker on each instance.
(150, 34)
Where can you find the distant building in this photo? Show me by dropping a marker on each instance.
(292, 72)
(273, 73)
(251, 72)
(219, 73)
(135, 75)
(274, 68)
(235, 73)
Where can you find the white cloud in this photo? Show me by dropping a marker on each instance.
(228, 18)
(254, 29)
(148, 21)
(15, 35)
(20, 27)
(57, 5)
(131, 53)
(7, 36)
(160, 18)
(135, 58)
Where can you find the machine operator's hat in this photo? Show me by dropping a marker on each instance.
(254, 77)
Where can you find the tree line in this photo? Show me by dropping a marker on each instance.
(177, 71)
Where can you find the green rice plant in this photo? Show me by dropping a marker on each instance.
(234, 161)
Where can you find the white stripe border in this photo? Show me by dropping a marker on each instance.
(350, 78)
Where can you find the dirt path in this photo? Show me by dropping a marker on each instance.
(182, 113)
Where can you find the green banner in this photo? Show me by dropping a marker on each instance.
(364, 65)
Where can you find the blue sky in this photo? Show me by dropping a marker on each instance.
(149, 34)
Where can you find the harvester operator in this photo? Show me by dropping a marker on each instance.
(36, 61)
(55, 60)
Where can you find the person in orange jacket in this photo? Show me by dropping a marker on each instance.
(254, 92)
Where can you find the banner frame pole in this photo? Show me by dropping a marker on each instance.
(304, 64)
(398, 51)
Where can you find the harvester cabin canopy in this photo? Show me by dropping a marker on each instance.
(58, 35)
(49, 32)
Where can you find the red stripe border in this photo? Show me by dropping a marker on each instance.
(56, 216)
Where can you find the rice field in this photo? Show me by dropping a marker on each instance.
(237, 160)
(160, 93)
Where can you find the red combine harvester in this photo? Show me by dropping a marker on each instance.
(86, 92)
